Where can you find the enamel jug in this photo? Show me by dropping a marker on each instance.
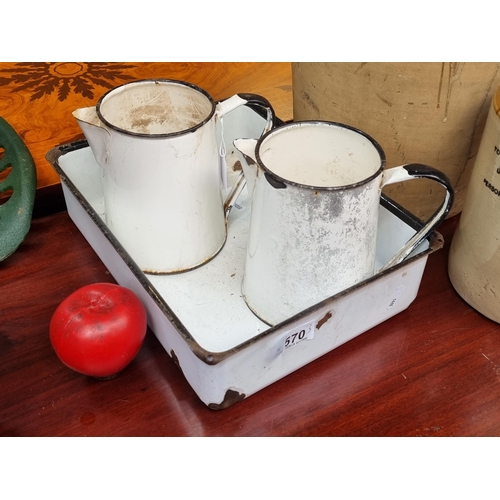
(315, 189)
(163, 170)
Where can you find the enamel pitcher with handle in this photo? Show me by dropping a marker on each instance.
(163, 170)
(315, 189)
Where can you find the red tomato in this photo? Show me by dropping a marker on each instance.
(98, 329)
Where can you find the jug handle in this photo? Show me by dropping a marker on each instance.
(416, 171)
(253, 101)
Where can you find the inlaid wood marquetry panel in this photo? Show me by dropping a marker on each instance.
(37, 98)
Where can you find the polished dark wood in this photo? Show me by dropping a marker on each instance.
(432, 370)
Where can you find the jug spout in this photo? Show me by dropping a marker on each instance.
(94, 130)
(245, 149)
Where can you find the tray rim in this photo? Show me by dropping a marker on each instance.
(435, 239)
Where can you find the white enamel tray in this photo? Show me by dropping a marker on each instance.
(224, 351)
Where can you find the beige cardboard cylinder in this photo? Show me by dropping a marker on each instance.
(431, 113)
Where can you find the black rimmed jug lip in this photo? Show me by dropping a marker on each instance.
(157, 81)
(280, 182)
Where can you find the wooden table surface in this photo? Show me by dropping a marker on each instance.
(432, 370)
